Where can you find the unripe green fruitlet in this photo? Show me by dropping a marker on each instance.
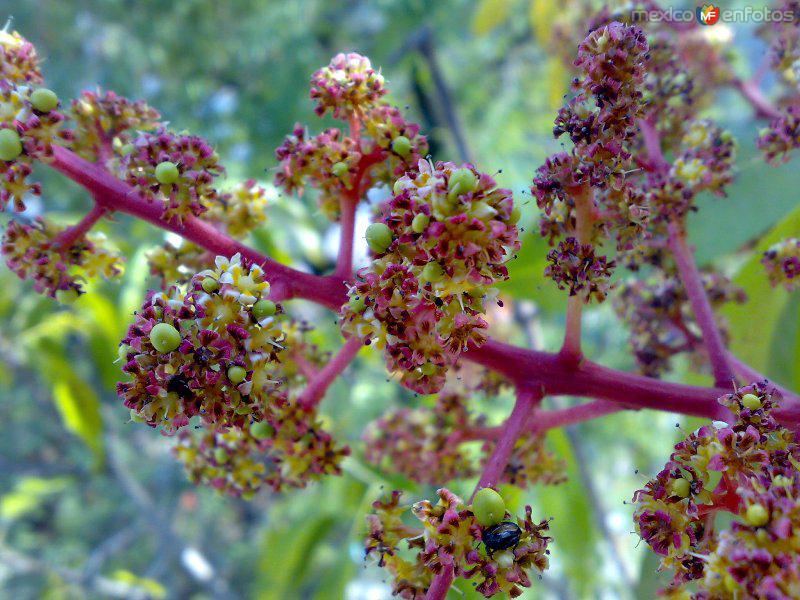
(262, 430)
(488, 507)
(164, 337)
(756, 515)
(432, 272)
(401, 145)
(10, 144)
(264, 308)
(379, 237)
(339, 169)
(44, 100)
(420, 223)
(680, 487)
(237, 374)
(221, 455)
(210, 285)
(167, 172)
(462, 181)
(356, 304)
(428, 368)
(751, 401)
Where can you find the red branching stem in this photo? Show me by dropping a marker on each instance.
(703, 313)
(752, 93)
(72, 234)
(344, 262)
(526, 368)
(513, 428)
(115, 195)
(571, 348)
(543, 420)
(441, 584)
(652, 144)
(751, 375)
(316, 387)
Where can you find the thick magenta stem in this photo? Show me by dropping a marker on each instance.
(441, 584)
(72, 234)
(652, 144)
(114, 194)
(344, 262)
(703, 313)
(752, 93)
(316, 388)
(513, 428)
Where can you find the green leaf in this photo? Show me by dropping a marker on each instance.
(28, 495)
(765, 304)
(79, 408)
(573, 529)
(489, 15)
(286, 555)
(526, 276)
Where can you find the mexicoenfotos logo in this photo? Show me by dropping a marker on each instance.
(708, 14)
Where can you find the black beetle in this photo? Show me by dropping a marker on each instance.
(501, 537)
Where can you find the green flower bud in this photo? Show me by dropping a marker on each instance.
(428, 369)
(379, 237)
(136, 417)
(680, 487)
(10, 144)
(420, 223)
(126, 149)
(756, 515)
(401, 145)
(264, 308)
(210, 285)
(262, 430)
(67, 296)
(44, 100)
(236, 374)
(221, 455)
(488, 507)
(167, 172)
(339, 169)
(751, 401)
(432, 272)
(398, 187)
(357, 304)
(462, 181)
(123, 351)
(164, 337)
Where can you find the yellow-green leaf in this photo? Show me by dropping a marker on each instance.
(489, 15)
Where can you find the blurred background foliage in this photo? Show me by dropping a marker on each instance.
(93, 506)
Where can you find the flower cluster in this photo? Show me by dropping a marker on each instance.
(238, 212)
(347, 86)
(29, 120)
(107, 122)
(782, 263)
(36, 252)
(574, 267)
(19, 63)
(175, 170)
(452, 536)
(747, 468)
(660, 318)
(442, 242)
(781, 137)
(203, 352)
(430, 445)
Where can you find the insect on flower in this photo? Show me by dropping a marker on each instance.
(502, 536)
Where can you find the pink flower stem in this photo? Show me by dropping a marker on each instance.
(571, 348)
(652, 143)
(513, 428)
(344, 262)
(750, 375)
(543, 420)
(752, 93)
(319, 384)
(441, 584)
(704, 314)
(526, 368)
(115, 195)
(72, 234)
